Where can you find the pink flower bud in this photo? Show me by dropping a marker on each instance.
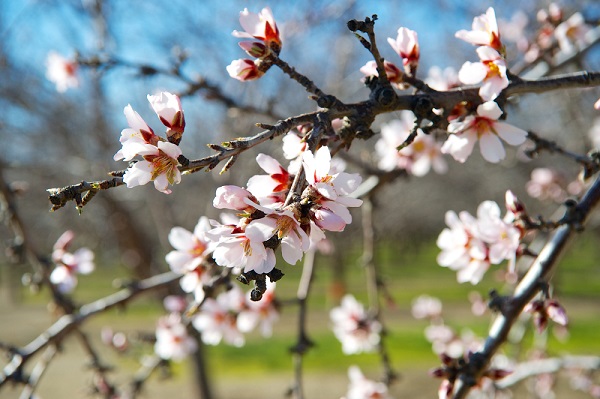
(556, 312)
(244, 70)
(232, 197)
(168, 109)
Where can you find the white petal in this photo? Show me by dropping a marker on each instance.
(472, 73)
(491, 148)
(511, 134)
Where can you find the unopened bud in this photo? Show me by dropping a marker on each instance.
(254, 49)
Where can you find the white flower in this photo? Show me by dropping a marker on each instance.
(426, 306)
(190, 252)
(417, 158)
(168, 109)
(217, 319)
(362, 388)
(486, 128)
(485, 31)
(406, 46)
(491, 71)
(259, 26)
(61, 71)
(351, 325)
(571, 34)
(244, 248)
(159, 165)
(172, 339)
(442, 80)
(68, 264)
(136, 139)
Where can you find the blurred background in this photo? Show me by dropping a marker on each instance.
(53, 139)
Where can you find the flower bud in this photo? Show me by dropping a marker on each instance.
(254, 49)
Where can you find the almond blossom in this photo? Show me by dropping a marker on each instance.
(470, 245)
(245, 249)
(244, 70)
(217, 318)
(168, 109)
(329, 194)
(159, 165)
(139, 137)
(172, 339)
(270, 189)
(485, 31)
(491, 70)
(191, 250)
(571, 34)
(259, 26)
(406, 45)
(361, 387)
(61, 71)
(354, 328)
(486, 128)
(417, 158)
(68, 264)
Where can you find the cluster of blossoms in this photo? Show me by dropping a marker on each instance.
(231, 314)
(160, 156)
(454, 350)
(549, 184)
(261, 27)
(68, 264)
(569, 34)
(470, 245)
(266, 222)
(61, 71)
(357, 331)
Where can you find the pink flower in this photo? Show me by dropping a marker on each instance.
(138, 138)
(392, 72)
(417, 158)
(168, 109)
(406, 46)
(259, 26)
(68, 264)
(61, 71)
(597, 104)
(293, 145)
(172, 339)
(353, 327)
(235, 198)
(362, 388)
(502, 238)
(543, 310)
(329, 193)
(491, 71)
(244, 70)
(546, 184)
(271, 189)
(159, 165)
(485, 31)
(486, 128)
